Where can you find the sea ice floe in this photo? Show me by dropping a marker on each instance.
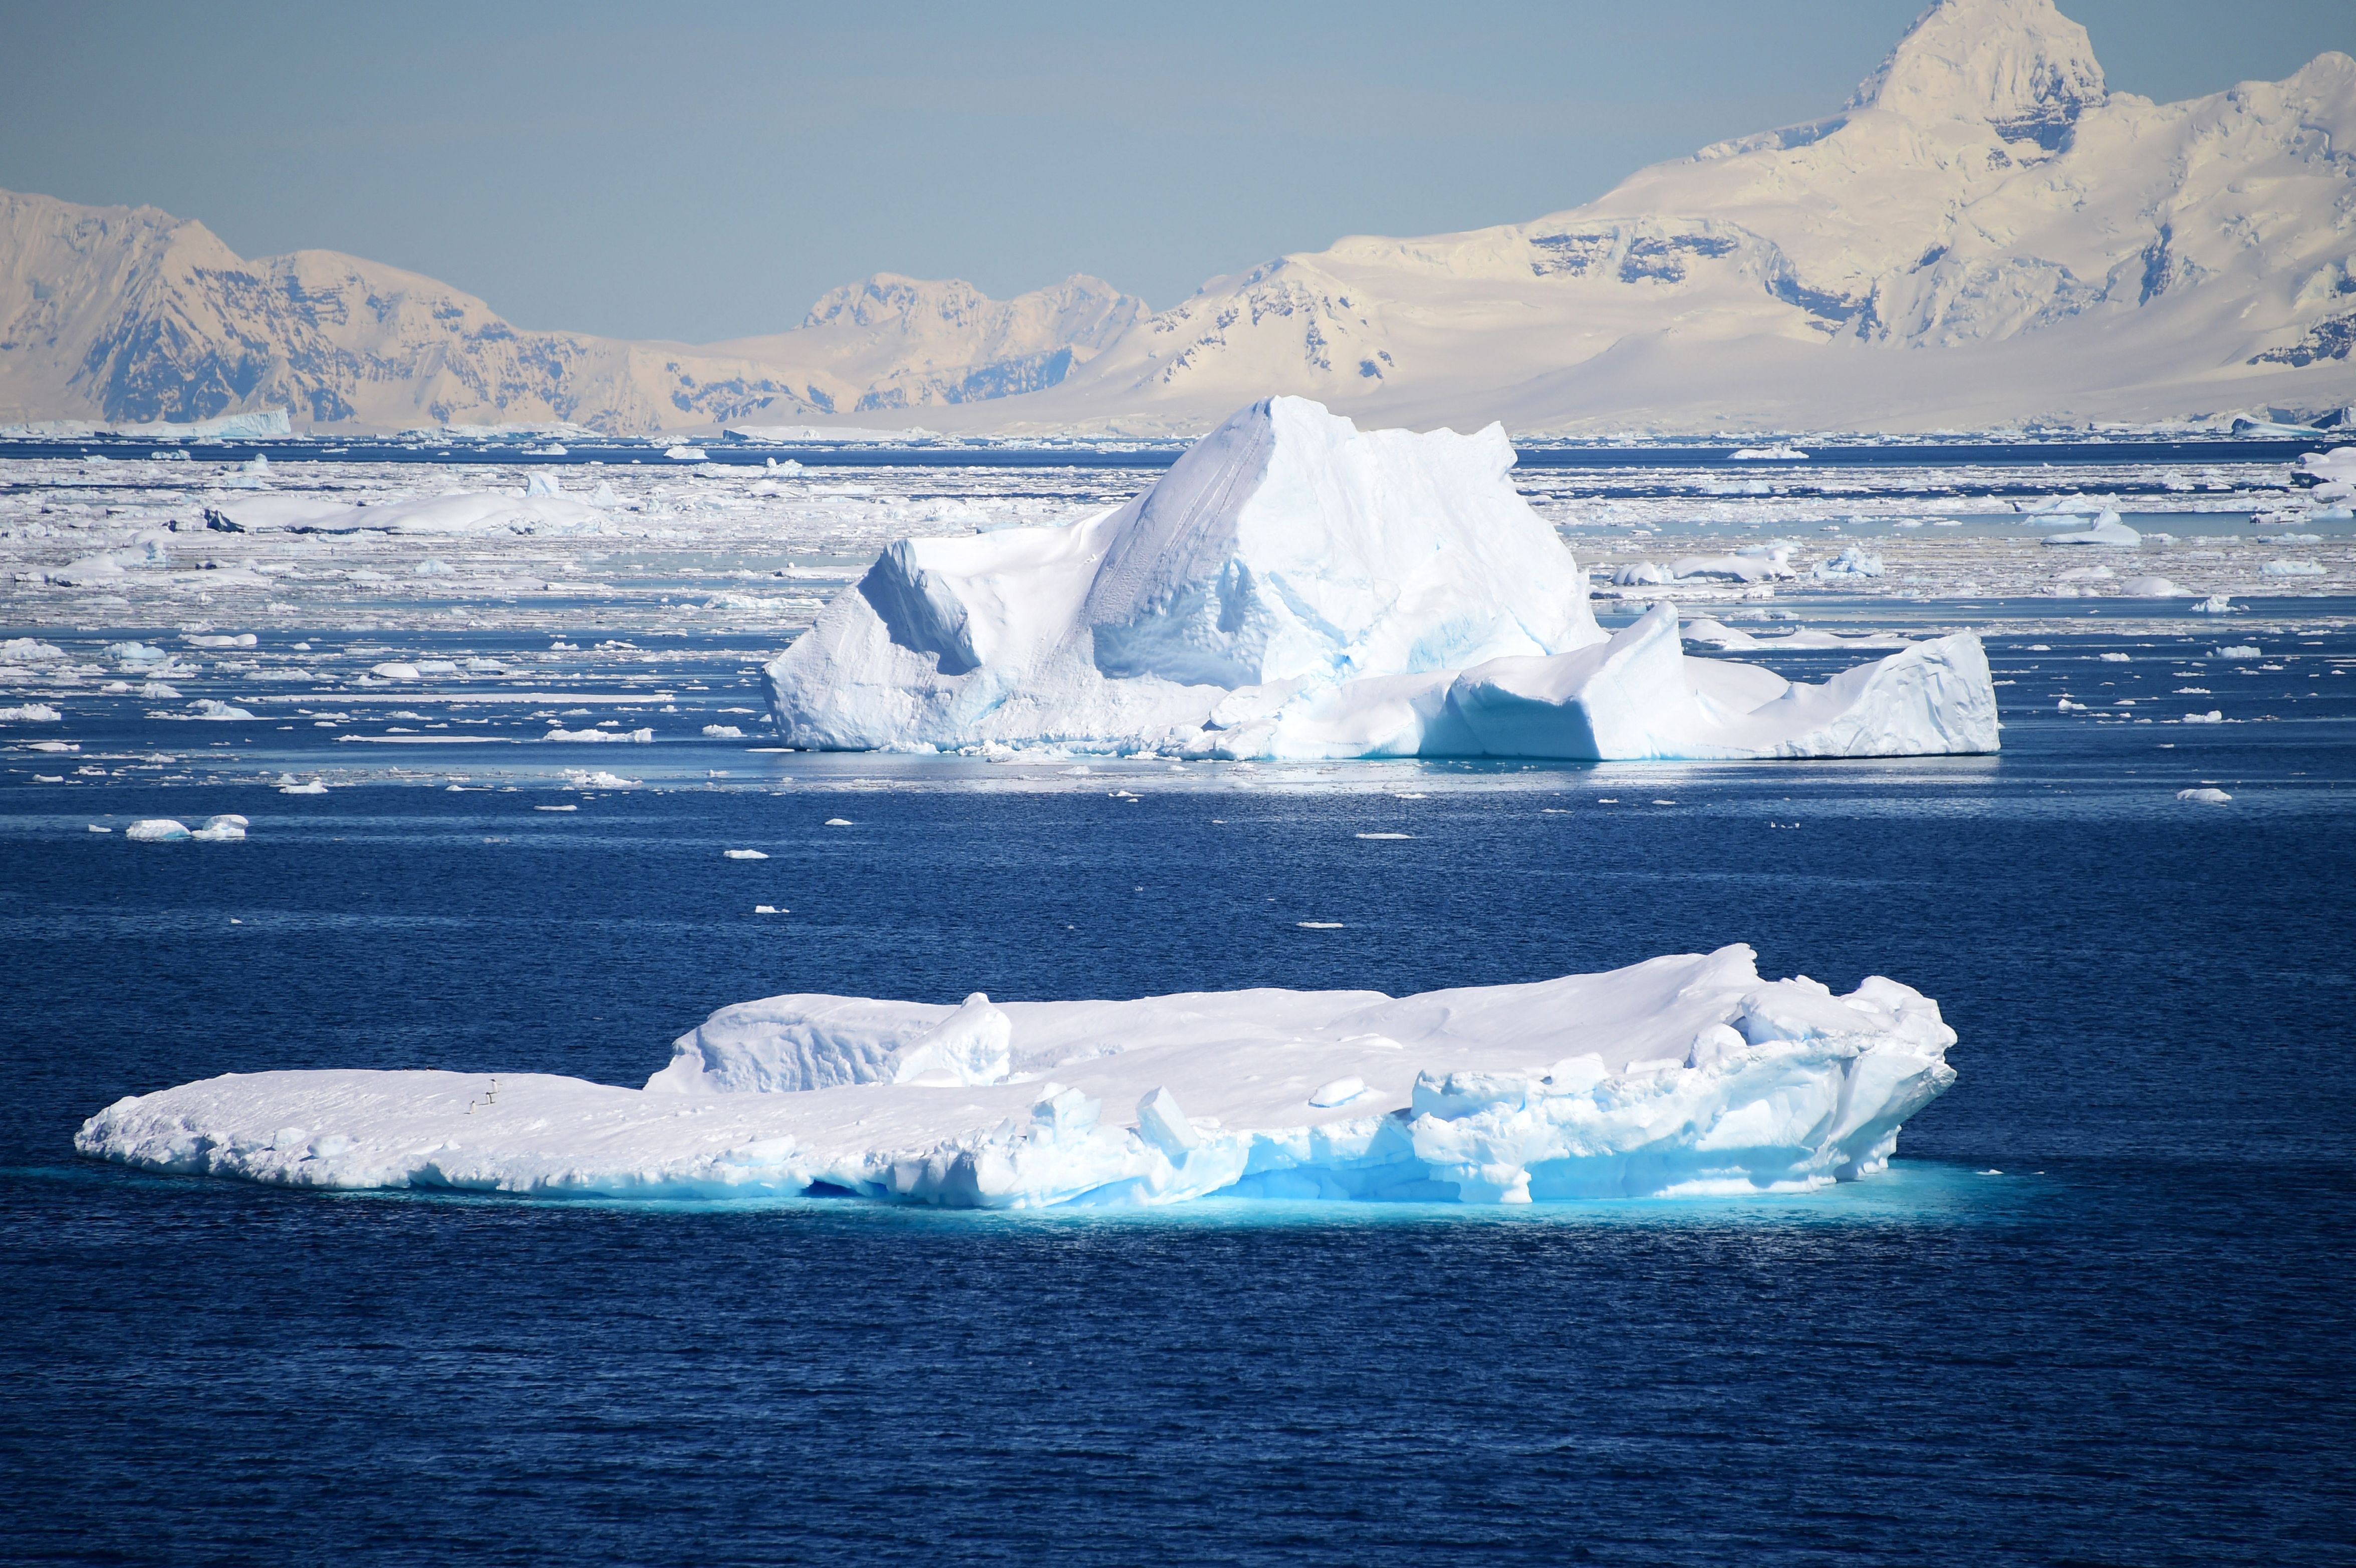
(1682, 1076)
(2106, 529)
(2205, 797)
(1294, 587)
(639, 736)
(1855, 561)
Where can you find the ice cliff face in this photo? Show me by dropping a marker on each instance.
(1296, 587)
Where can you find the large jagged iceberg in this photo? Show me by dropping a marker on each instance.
(1682, 1076)
(1296, 588)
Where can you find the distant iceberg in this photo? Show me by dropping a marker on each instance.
(1684, 1075)
(1297, 589)
(261, 425)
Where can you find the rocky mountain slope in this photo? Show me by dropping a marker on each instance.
(1985, 234)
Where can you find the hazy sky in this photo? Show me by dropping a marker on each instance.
(606, 168)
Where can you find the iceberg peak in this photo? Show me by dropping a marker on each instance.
(1298, 587)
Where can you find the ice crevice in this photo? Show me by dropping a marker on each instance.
(1296, 588)
(1682, 1076)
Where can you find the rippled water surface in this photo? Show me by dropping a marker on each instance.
(2097, 1312)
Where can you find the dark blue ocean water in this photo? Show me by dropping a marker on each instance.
(2135, 1344)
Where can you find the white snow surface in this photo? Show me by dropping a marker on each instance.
(1295, 587)
(1683, 1076)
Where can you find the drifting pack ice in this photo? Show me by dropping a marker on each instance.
(1295, 587)
(1683, 1076)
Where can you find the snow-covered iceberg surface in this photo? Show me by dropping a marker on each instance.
(1682, 1076)
(1296, 588)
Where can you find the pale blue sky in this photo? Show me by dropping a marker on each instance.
(606, 168)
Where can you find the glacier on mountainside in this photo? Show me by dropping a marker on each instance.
(1985, 233)
(1295, 587)
(1681, 1076)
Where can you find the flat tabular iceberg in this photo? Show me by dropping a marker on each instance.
(1682, 1076)
(1295, 587)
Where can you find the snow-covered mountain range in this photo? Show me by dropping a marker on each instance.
(1985, 234)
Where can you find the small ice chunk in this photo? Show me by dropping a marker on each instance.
(1713, 1044)
(2107, 530)
(227, 828)
(395, 670)
(1163, 1125)
(639, 736)
(2204, 797)
(1854, 562)
(156, 830)
(1577, 1075)
(2213, 717)
(839, 822)
(745, 853)
(96, 828)
(288, 787)
(971, 1046)
(723, 731)
(1339, 1091)
(1386, 835)
(30, 713)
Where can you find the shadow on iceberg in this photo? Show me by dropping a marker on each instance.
(1296, 588)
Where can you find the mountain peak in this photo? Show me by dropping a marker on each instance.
(2019, 65)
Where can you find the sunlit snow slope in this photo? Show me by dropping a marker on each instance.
(1985, 234)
